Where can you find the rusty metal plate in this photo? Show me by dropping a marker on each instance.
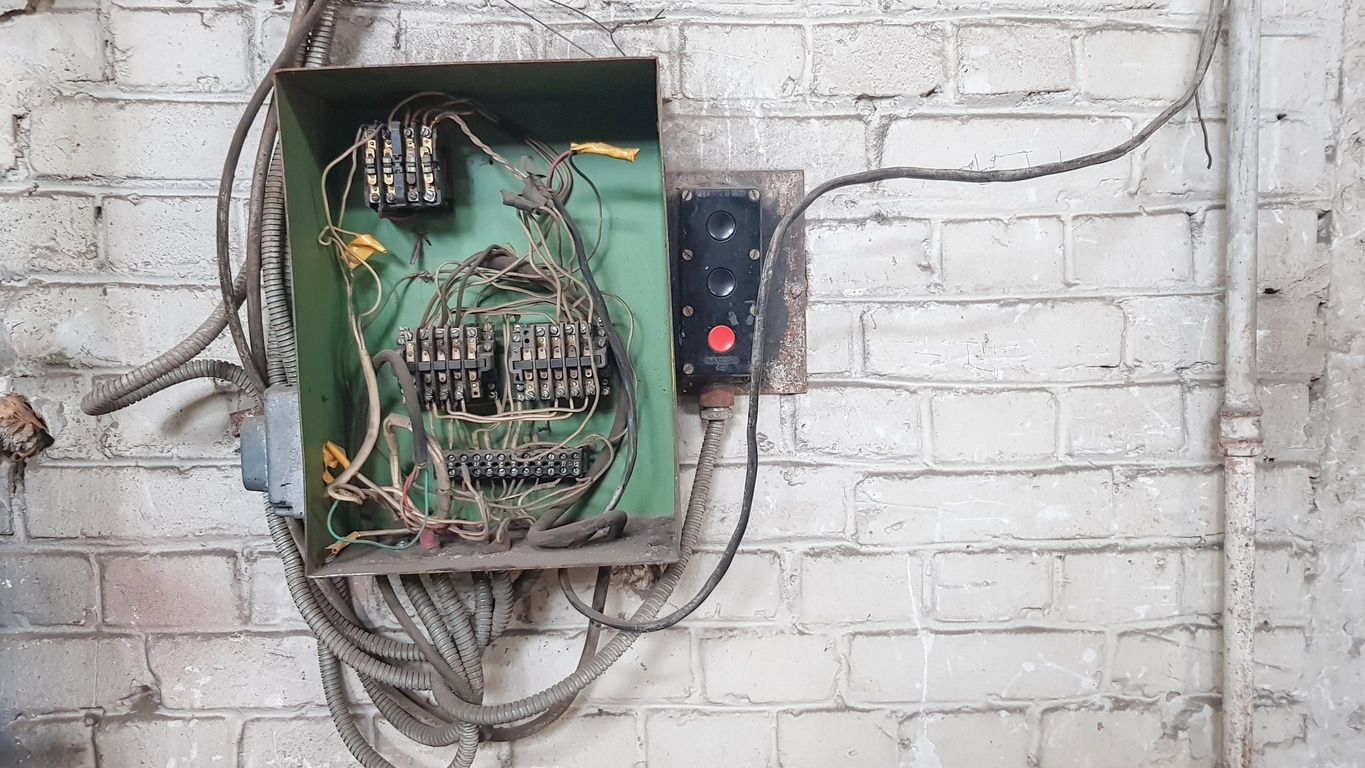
(784, 371)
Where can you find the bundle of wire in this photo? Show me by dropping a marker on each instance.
(430, 686)
(498, 286)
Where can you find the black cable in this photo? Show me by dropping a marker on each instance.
(296, 40)
(1206, 49)
(408, 386)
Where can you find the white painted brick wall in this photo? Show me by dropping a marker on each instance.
(989, 533)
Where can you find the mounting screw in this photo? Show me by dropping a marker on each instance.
(687, 311)
(688, 369)
(687, 194)
(753, 195)
(754, 255)
(687, 255)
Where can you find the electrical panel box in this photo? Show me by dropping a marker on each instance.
(425, 226)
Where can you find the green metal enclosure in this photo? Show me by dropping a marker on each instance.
(557, 102)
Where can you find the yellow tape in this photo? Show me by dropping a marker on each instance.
(362, 248)
(599, 148)
(333, 457)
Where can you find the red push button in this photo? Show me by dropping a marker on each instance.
(721, 339)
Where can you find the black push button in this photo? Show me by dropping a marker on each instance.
(721, 282)
(721, 226)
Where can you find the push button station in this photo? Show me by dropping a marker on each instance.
(716, 269)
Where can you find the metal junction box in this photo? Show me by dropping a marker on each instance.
(456, 209)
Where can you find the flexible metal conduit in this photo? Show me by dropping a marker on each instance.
(1239, 419)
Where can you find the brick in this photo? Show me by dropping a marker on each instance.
(994, 427)
(1174, 162)
(878, 422)
(1293, 73)
(1173, 334)
(1282, 662)
(1120, 586)
(1136, 64)
(1185, 661)
(1285, 505)
(522, 663)
(1280, 736)
(1201, 592)
(1281, 589)
(1288, 421)
(363, 37)
(789, 502)
(1008, 256)
(1295, 157)
(991, 587)
(836, 739)
(166, 742)
(1201, 422)
(985, 739)
(990, 143)
(56, 396)
(1290, 337)
(877, 60)
(931, 508)
(772, 437)
(593, 739)
(843, 587)
(698, 143)
(871, 259)
(270, 603)
(36, 674)
(751, 590)
(832, 343)
(140, 503)
(430, 37)
(1168, 503)
(657, 669)
(161, 237)
(295, 742)
(685, 739)
(1291, 261)
(394, 745)
(756, 668)
(973, 667)
(47, 743)
(102, 326)
(48, 234)
(189, 421)
(213, 672)
(1126, 738)
(195, 50)
(151, 140)
(771, 57)
(1132, 251)
(984, 342)
(171, 591)
(1014, 58)
(1127, 421)
(46, 590)
(50, 47)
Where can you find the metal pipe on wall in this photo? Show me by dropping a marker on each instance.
(1239, 419)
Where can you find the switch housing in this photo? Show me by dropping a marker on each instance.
(716, 269)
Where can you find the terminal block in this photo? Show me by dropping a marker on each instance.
(558, 361)
(451, 364)
(562, 464)
(401, 167)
